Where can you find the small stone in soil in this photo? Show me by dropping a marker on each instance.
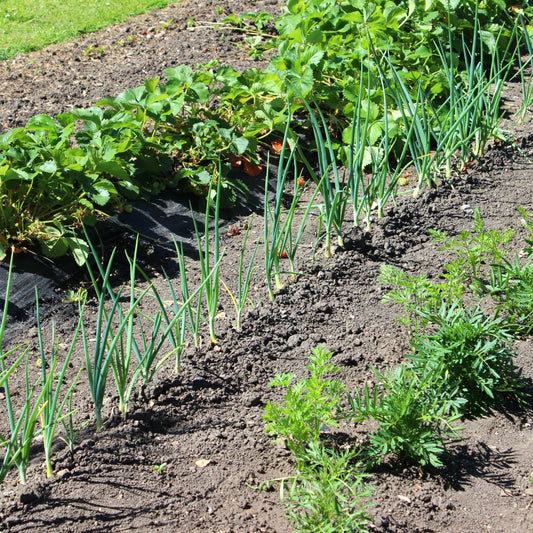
(199, 382)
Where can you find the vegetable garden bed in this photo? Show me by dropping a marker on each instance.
(192, 452)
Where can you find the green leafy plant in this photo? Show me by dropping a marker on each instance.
(310, 405)
(510, 285)
(416, 293)
(330, 494)
(57, 173)
(527, 222)
(471, 356)
(415, 418)
(475, 250)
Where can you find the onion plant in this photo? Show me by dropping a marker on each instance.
(274, 229)
(22, 430)
(368, 179)
(151, 347)
(177, 316)
(332, 190)
(149, 350)
(244, 280)
(125, 371)
(464, 122)
(526, 80)
(280, 241)
(67, 420)
(209, 271)
(485, 91)
(180, 316)
(112, 342)
(190, 316)
(364, 155)
(53, 404)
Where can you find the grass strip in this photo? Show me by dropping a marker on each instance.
(30, 25)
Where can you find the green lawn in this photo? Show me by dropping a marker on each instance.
(31, 24)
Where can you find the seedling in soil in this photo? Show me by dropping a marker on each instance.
(53, 405)
(23, 430)
(160, 468)
(510, 285)
(244, 281)
(150, 350)
(309, 405)
(192, 315)
(328, 492)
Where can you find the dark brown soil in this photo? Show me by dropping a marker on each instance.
(213, 409)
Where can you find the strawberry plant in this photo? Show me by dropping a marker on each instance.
(58, 173)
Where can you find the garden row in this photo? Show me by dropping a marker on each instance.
(390, 85)
(461, 366)
(368, 117)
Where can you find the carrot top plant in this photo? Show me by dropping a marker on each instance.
(309, 405)
(414, 418)
(473, 250)
(328, 492)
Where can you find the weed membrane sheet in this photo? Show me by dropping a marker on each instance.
(159, 223)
